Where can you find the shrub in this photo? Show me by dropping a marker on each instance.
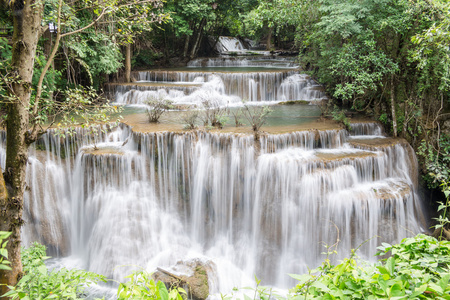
(142, 286)
(213, 115)
(256, 116)
(340, 117)
(157, 106)
(417, 268)
(40, 283)
(189, 119)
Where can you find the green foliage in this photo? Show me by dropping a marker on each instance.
(437, 161)
(5, 64)
(84, 107)
(213, 114)
(278, 14)
(145, 58)
(417, 268)
(369, 52)
(40, 283)
(96, 53)
(339, 116)
(142, 286)
(189, 119)
(4, 263)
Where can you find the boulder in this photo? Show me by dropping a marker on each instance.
(190, 275)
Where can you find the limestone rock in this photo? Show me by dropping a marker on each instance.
(190, 275)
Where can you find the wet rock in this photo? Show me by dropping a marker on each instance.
(441, 234)
(190, 275)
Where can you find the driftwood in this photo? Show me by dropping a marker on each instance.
(171, 274)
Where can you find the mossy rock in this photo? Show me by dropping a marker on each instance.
(190, 275)
(292, 102)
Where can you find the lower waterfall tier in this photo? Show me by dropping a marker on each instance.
(264, 208)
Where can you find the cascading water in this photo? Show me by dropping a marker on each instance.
(228, 81)
(227, 44)
(124, 198)
(153, 199)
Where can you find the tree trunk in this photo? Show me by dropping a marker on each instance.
(128, 63)
(394, 114)
(27, 17)
(269, 39)
(198, 39)
(48, 52)
(186, 46)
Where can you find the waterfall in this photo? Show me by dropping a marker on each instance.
(115, 199)
(228, 80)
(227, 44)
(154, 199)
(192, 87)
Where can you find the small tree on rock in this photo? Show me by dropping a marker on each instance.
(256, 116)
(157, 106)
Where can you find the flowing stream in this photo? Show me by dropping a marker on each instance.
(123, 198)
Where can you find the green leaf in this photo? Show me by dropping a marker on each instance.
(162, 291)
(390, 265)
(4, 267)
(396, 291)
(42, 270)
(435, 288)
(319, 285)
(4, 253)
(302, 279)
(383, 284)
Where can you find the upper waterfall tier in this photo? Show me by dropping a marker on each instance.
(227, 81)
(227, 45)
(258, 61)
(227, 88)
(155, 199)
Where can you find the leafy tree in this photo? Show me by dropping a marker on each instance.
(23, 121)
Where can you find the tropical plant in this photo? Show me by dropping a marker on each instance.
(4, 263)
(417, 268)
(40, 283)
(142, 286)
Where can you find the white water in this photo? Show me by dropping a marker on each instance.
(165, 197)
(257, 61)
(155, 199)
(229, 81)
(228, 88)
(229, 44)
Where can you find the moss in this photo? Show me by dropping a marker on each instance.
(40, 146)
(292, 102)
(200, 270)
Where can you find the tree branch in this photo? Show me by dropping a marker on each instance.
(33, 135)
(87, 26)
